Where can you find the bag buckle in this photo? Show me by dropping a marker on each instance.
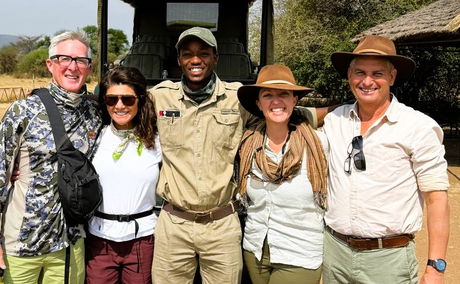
(123, 218)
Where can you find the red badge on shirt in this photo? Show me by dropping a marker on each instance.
(92, 134)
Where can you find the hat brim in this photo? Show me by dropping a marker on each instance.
(248, 94)
(404, 65)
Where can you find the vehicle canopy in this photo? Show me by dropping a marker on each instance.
(158, 24)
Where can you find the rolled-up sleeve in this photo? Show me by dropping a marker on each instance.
(429, 164)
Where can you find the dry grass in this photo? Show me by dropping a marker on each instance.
(7, 81)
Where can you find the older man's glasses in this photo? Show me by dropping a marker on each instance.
(355, 153)
(66, 60)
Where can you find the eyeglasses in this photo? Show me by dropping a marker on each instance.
(127, 100)
(355, 152)
(66, 60)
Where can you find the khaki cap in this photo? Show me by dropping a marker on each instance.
(198, 32)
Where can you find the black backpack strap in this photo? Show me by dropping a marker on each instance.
(67, 265)
(57, 125)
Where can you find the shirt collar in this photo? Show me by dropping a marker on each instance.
(392, 113)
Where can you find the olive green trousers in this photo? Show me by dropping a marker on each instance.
(264, 272)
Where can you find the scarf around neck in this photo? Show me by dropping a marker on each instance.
(202, 94)
(127, 136)
(66, 97)
(252, 147)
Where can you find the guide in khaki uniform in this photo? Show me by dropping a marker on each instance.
(200, 124)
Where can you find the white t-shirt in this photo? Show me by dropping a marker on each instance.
(128, 186)
(287, 215)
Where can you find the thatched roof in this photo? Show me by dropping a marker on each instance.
(438, 22)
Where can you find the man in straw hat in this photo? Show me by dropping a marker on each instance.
(385, 160)
(200, 124)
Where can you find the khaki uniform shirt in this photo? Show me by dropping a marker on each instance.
(199, 144)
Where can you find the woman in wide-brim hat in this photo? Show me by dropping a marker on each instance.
(283, 175)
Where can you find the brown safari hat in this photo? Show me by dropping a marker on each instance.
(270, 76)
(379, 46)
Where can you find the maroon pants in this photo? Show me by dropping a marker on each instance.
(119, 262)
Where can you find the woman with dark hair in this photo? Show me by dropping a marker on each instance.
(120, 240)
(283, 174)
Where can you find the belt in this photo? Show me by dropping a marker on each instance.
(358, 243)
(204, 217)
(126, 218)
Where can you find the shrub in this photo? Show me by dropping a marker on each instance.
(33, 63)
(8, 59)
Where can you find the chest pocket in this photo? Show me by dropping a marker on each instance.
(226, 129)
(170, 131)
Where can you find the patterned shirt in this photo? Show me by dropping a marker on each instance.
(32, 220)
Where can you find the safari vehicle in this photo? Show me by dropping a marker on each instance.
(158, 24)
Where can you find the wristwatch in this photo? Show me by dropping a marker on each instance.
(439, 264)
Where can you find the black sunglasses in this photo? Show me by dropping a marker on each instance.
(355, 152)
(127, 100)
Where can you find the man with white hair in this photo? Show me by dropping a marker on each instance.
(386, 159)
(33, 230)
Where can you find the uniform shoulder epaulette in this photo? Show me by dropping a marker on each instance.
(232, 86)
(168, 84)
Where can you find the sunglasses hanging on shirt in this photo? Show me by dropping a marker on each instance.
(355, 153)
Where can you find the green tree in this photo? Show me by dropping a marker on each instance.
(33, 64)
(8, 59)
(117, 42)
(26, 44)
(91, 33)
(44, 42)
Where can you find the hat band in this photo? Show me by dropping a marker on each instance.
(277, 82)
(372, 51)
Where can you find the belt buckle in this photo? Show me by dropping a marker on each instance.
(203, 217)
(123, 218)
(365, 243)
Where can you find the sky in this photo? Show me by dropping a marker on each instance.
(45, 17)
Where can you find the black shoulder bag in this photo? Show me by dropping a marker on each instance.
(78, 183)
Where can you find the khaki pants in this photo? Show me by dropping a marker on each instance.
(265, 272)
(180, 244)
(345, 265)
(49, 267)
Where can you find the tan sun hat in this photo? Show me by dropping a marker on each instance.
(379, 46)
(270, 76)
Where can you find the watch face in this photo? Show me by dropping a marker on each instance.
(440, 265)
